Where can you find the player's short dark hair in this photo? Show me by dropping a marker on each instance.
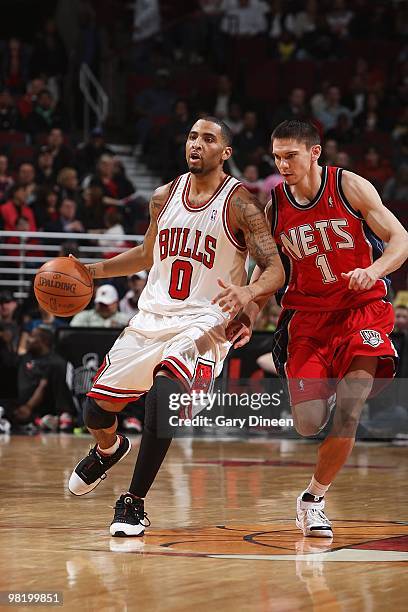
(226, 132)
(301, 131)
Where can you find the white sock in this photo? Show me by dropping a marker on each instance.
(316, 488)
(112, 449)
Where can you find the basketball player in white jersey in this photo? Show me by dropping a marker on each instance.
(202, 227)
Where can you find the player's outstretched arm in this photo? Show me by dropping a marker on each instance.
(247, 216)
(140, 257)
(364, 198)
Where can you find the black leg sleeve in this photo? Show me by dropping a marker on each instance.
(154, 444)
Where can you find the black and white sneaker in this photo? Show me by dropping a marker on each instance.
(311, 519)
(91, 470)
(130, 519)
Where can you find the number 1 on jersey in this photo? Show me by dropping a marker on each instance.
(323, 264)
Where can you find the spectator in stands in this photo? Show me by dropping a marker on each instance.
(104, 177)
(319, 43)
(9, 115)
(6, 180)
(33, 318)
(45, 114)
(401, 318)
(318, 99)
(26, 178)
(249, 139)
(244, 18)
(15, 208)
(330, 152)
(286, 46)
(92, 210)
(105, 312)
(125, 186)
(113, 227)
(136, 284)
(396, 188)
(45, 171)
(219, 104)
(343, 133)
(372, 118)
(329, 115)
(296, 107)
(67, 220)
(43, 395)
(339, 19)
(45, 206)
(61, 154)
(250, 179)
(27, 102)
(343, 160)
(146, 20)
(374, 168)
(15, 66)
(9, 317)
(234, 118)
(89, 153)
(281, 21)
(355, 99)
(67, 181)
(304, 21)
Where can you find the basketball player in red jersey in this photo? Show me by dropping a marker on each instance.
(202, 227)
(332, 336)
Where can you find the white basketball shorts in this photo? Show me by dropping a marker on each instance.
(192, 347)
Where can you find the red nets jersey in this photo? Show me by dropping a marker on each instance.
(317, 242)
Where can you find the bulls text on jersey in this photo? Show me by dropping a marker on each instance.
(183, 242)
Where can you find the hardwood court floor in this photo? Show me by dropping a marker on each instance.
(222, 536)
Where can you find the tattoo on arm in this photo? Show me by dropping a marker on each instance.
(251, 220)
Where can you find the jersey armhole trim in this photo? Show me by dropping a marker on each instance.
(274, 212)
(173, 188)
(226, 222)
(342, 196)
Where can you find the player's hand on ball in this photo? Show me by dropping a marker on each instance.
(88, 267)
(233, 298)
(360, 279)
(239, 331)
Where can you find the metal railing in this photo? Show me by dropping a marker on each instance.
(95, 98)
(17, 270)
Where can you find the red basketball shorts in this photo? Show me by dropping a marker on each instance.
(314, 350)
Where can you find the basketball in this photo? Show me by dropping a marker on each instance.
(63, 286)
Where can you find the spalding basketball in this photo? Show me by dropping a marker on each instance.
(63, 286)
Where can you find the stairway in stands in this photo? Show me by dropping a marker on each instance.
(137, 172)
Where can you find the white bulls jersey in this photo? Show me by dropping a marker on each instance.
(194, 247)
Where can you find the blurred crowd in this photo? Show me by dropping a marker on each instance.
(54, 186)
(253, 63)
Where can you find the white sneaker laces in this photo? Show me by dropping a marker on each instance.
(316, 514)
